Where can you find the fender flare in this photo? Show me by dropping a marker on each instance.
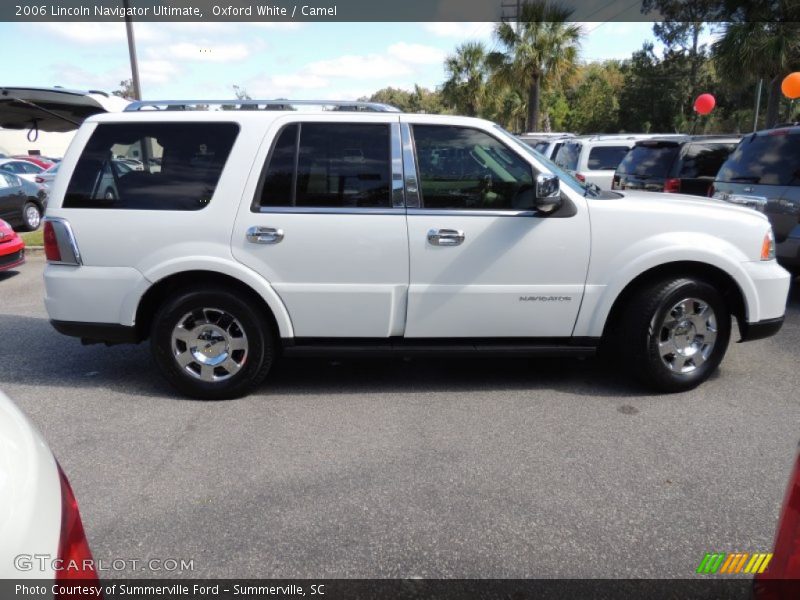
(211, 264)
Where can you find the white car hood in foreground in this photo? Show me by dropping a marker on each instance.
(30, 494)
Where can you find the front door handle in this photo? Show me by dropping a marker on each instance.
(264, 235)
(445, 237)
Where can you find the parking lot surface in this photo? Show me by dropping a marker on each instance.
(410, 468)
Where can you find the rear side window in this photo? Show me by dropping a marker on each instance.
(606, 158)
(702, 161)
(567, 156)
(772, 159)
(649, 160)
(151, 166)
(329, 165)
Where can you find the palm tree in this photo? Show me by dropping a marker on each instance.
(541, 49)
(466, 78)
(761, 48)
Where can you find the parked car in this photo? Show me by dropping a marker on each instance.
(685, 165)
(764, 173)
(22, 203)
(301, 232)
(12, 248)
(781, 578)
(45, 178)
(593, 159)
(42, 532)
(549, 146)
(39, 161)
(21, 168)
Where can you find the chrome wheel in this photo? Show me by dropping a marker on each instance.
(209, 344)
(686, 335)
(32, 216)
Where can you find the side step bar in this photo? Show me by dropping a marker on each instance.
(316, 347)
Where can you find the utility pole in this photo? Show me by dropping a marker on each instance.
(758, 104)
(137, 88)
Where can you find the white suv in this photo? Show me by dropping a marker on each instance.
(254, 233)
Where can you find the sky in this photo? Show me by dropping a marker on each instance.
(270, 60)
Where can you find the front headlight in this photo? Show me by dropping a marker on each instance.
(768, 246)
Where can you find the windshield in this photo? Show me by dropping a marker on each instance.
(563, 175)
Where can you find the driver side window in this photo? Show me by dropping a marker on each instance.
(467, 169)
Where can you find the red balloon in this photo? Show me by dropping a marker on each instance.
(704, 104)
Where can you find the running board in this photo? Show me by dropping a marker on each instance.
(317, 347)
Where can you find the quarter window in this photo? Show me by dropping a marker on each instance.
(464, 168)
(329, 165)
(151, 166)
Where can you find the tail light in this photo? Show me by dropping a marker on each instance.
(39, 179)
(60, 246)
(711, 191)
(75, 557)
(615, 182)
(672, 186)
(580, 177)
(786, 555)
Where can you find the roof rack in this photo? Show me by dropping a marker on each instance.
(236, 104)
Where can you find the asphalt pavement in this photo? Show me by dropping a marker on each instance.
(410, 468)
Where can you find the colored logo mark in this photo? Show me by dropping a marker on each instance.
(733, 563)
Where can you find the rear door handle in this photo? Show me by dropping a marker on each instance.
(445, 237)
(264, 235)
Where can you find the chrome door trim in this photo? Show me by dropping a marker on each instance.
(443, 212)
(445, 237)
(321, 210)
(398, 187)
(411, 179)
(264, 235)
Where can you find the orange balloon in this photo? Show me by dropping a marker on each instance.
(791, 85)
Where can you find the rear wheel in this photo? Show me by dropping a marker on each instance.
(211, 345)
(31, 216)
(672, 334)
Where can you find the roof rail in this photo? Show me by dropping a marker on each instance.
(236, 104)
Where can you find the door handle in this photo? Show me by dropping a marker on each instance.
(445, 237)
(264, 235)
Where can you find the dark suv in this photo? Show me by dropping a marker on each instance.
(764, 172)
(686, 165)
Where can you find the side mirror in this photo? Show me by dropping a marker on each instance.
(548, 193)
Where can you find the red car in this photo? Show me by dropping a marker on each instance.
(37, 160)
(12, 248)
(782, 577)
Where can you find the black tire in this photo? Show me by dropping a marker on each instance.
(258, 333)
(27, 225)
(644, 322)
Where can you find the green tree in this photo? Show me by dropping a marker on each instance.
(125, 89)
(467, 73)
(763, 42)
(540, 50)
(595, 100)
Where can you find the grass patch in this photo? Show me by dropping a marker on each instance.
(33, 238)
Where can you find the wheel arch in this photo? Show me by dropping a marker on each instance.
(727, 285)
(159, 291)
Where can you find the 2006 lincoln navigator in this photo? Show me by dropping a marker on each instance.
(243, 234)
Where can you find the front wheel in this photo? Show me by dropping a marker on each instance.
(673, 334)
(212, 345)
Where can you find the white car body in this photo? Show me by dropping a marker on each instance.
(338, 276)
(30, 494)
(21, 168)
